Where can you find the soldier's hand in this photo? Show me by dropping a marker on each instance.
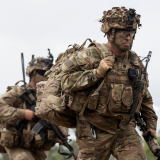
(29, 115)
(104, 66)
(59, 141)
(64, 130)
(153, 133)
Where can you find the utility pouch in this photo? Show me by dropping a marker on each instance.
(116, 96)
(27, 138)
(92, 104)
(50, 140)
(7, 139)
(38, 141)
(127, 99)
(79, 100)
(55, 103)
(50, 135)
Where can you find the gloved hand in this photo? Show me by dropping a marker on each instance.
(64, 130)
(153, 144)
(105, 65)
(153, 133)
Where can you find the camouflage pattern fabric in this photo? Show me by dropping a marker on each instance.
(12, 109)
(46, 105)
(123, 145)
(114, 102)
(18, 153)
(117, 18)
(110, 115)
(50, 93)
(115, 96)
(11, 106)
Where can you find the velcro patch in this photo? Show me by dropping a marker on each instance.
(69, 63)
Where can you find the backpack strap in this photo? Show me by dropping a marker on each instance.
(19, 82)
(103, 49)
(84, 43)
(96, 92)
(134, 59)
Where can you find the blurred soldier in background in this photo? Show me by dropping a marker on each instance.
(17, 139)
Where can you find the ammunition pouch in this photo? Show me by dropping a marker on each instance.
(121, 98)
(50, 140)
(9, 138)
(79, 100)
(27, 138)
(38, 140)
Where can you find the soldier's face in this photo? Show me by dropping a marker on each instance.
(124, 39)
(38, 75)
(39, 78)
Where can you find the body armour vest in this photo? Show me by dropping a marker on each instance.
(115, 96)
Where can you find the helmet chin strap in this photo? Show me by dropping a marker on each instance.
(132, 41)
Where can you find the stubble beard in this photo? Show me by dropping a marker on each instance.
(124, 49)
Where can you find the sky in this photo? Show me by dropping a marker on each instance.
(33, 26)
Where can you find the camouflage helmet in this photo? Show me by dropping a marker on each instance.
(40, 63)
(37, 63)
(119, 18)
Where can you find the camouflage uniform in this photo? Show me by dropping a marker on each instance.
(108, 109)
(12, 109)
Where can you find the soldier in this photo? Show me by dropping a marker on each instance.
(96, 86)
(14, 109)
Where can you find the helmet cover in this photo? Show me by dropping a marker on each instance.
(119, 18)
(37, 63)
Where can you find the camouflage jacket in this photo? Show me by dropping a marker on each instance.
(12, 110)
(11, 106)
(115, 96)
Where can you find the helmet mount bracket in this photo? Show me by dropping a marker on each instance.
(132, 13)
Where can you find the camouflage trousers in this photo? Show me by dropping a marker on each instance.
(18, 153)
(123, 145)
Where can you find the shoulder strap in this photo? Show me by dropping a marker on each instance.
(95, 92)
(104, 51)
(134, 59)
(19, 82)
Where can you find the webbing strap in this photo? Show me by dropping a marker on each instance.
(84, 43)
(19, 82)
(103, 48)
(96, 91)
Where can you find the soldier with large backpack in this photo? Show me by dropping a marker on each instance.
(94, 86)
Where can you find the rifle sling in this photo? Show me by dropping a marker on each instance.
(38, 126)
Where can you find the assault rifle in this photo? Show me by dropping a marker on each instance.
(135, 107)
(30, 99)
(138, 87)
